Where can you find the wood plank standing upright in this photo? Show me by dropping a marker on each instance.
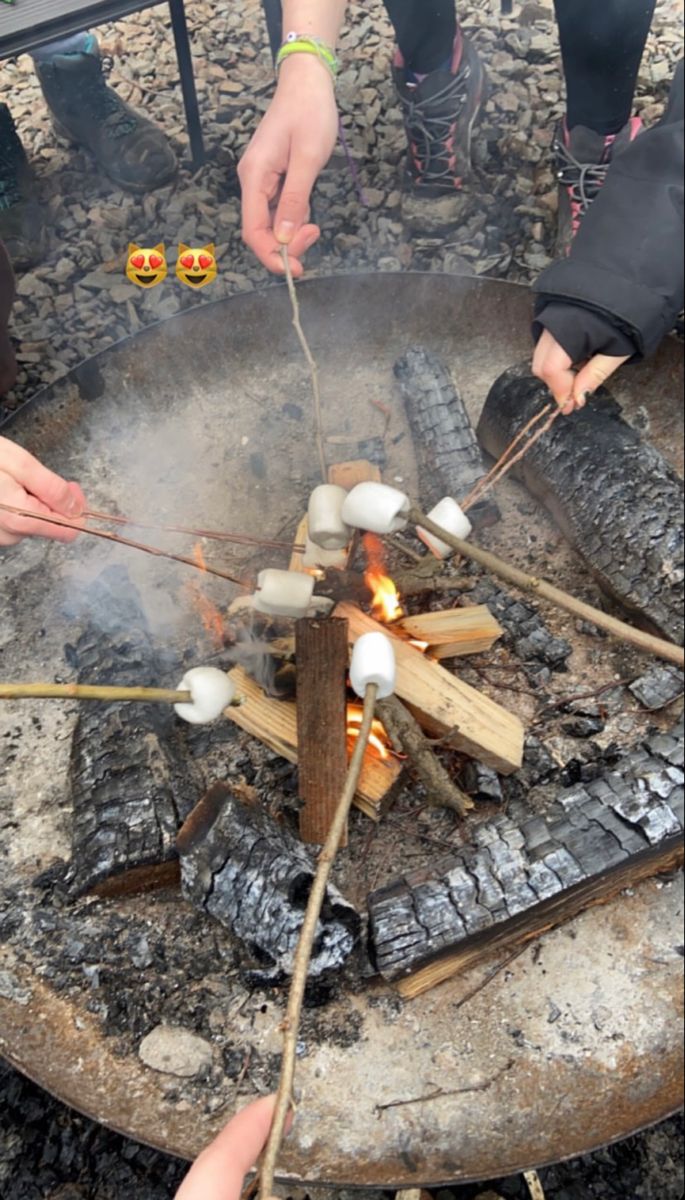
(322, 662)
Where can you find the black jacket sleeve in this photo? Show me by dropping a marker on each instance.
(621, 288)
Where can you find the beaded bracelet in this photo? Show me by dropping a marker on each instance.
(297, 44)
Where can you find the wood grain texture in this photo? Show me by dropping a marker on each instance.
(443, 705)
(322, 660)
(455, 631)
(274, 722)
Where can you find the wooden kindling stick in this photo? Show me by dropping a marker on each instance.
(291, 1022)
(64, 523)
(539, 587)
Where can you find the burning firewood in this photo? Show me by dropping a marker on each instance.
(524, 874)
(132, 780)
(254, 877)
(455, 631)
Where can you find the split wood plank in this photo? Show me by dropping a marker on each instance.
(321, 651)
(443, 705)
(274, 722)
(455, 632)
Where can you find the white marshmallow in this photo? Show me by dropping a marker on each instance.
(377, 508)
(284, 593)
(211, 691)
(326, 526)
(373, 661)
(453, 519)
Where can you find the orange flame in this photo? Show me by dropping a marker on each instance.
(379, 743)
(386, 605)
(212, 620)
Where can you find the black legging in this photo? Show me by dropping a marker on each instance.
(602, 42)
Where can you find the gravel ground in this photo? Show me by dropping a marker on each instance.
(77, 302)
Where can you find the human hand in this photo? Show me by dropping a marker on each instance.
(25, 483)
(279, 168)
(571, 389)
(219, 1172)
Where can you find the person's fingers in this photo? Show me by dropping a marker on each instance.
(593, 375)
(554, 367)
(269, 251)
(292, 212)
(59, 496)
(219, 1172)
(14, 528)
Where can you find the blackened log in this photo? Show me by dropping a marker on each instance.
(616, 498)
(525, 874)
(254, 877)
(526, 631)
(322, 664)
(132, 780)
(448, 456)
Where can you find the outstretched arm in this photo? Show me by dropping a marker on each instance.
(293, 142)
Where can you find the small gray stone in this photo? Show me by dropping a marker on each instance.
(658, 688)
(174, 1051)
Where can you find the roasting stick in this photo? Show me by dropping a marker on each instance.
(539, 587)
(373, 678)
(212, 535)
(311, 362)
(86, 691)
(64, 523)
(505, 462)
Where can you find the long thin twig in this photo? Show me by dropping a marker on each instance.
(64, 523)
(546, 591)
(103, 693)
(85, 691)
(442, 1093)
(211, 535)
(508, 459)
(291, 1023)
(311, 362)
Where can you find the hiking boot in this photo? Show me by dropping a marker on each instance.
(583, 158)
(130, 149)
(440, 111)
(22, 227)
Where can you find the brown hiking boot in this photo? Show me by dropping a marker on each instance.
(130, 149)
(22, 227)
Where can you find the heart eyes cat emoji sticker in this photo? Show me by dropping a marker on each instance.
(196, 268)
(146, 268)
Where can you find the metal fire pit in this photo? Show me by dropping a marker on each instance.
(206, 417)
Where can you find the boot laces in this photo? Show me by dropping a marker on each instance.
(430, 131)
(584, 180)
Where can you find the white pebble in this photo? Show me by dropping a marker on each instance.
(377, 508)
(211, 691)
(373, 661)
(284, 593)
(450, 517)
(326, 526)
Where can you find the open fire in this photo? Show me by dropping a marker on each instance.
(379, 742)
(386, 605)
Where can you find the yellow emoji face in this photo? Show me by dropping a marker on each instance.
(196, 268)
(146, 268)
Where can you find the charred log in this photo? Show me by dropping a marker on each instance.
(132, 780)
(449, 458)
(255, 878)
(526, 631)
(614, 496)
(526, 873)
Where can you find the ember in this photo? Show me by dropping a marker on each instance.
(386, 605)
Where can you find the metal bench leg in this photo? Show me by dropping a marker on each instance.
(185, 66)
